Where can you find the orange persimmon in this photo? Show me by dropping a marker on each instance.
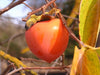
(47, 39)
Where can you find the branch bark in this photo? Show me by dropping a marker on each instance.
(30, 68)
(11, 6)
(17, 62)
(39, 9)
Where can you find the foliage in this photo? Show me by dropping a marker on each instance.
(89, 22)
(88, 62)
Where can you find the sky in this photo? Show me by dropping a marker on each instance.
(17, 11)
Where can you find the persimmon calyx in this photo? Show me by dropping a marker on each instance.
(43, 17)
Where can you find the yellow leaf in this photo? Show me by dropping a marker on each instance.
(76, 61)
(86, 61)
(54, 11)
(89, 21)
(74, 12)
(90, 63)
(25, 50)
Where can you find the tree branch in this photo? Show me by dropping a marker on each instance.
(28, 6)
(13, 37)
(39, 9)
(17, 62)
(30, 68)
(11, 6)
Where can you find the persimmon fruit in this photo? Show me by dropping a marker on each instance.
(47, 39)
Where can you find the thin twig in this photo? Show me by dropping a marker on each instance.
(32, 59)
(14, 37)
(12, 2)
(53, 65)
(31, 68)
(54, 4)
(39, 9)
(48, 2)
(70, 17)
(16, 61)
(35, 60)
(10, 39)
(7, 69)
(11, 6)
(13, 65)
(28, 6)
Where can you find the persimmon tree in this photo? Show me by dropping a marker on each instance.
(86, 58)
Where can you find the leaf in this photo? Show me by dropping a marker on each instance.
(76, 61)
(89, 21)
(23, 51)
(74, 12)
(54, 11)
(98, 51)
(89, 62)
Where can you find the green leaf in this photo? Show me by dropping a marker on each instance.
(89, 21)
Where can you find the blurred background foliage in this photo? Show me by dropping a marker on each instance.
(10, 26)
